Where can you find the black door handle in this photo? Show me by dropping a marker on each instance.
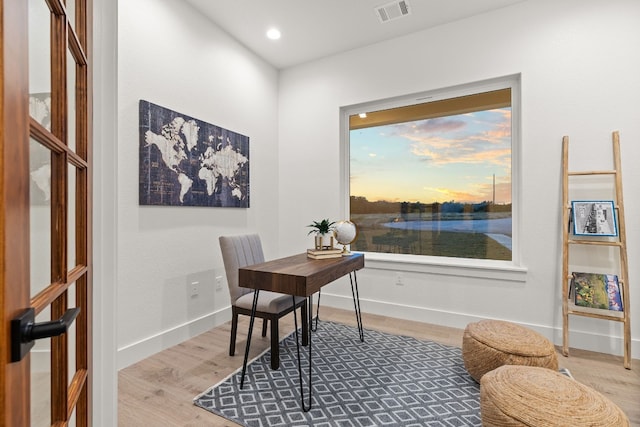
(24, 330)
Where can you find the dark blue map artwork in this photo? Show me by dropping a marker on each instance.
(188, 162)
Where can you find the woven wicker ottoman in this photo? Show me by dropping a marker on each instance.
(536, 397)
(489, 344)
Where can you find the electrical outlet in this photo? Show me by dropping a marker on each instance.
(399, 280)
(194, 289)
(218, 283)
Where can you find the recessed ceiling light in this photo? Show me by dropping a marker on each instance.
(363, 115)
(273, 34)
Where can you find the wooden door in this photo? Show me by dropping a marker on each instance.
(45, 212)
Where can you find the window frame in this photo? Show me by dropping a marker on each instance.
(467, 267)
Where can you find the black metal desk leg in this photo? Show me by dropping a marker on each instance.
(356, 304)
(314, 329)
(246, 350)
(295, 320)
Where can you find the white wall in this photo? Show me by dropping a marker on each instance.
(170, 55)
(579, 71)
(105, 127)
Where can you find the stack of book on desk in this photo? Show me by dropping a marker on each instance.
(324, 253)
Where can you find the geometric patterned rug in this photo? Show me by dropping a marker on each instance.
(389, 380)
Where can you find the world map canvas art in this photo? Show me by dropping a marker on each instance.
(187, 162)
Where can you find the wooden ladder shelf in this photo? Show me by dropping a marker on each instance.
(620, 242)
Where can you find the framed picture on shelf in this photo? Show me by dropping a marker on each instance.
(594, 218)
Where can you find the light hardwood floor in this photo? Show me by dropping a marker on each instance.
(158, 391)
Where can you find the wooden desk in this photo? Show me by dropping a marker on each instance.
(300, 276)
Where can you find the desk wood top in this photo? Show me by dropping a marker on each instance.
(298, 275)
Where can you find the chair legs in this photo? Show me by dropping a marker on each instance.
(275, 333)
(275, 344)
(234, 331)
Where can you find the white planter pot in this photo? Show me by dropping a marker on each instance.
(323, 241)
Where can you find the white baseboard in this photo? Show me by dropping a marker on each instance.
(142, 349)
(577, 339)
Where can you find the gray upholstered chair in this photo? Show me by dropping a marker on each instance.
(240, 251)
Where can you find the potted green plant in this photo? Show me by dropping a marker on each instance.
(323, 233)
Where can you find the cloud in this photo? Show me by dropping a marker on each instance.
(447, 194)
(499, 124)
(475, 193)
(503, 190)
(443, 151)
(468, 139)
(440, 124)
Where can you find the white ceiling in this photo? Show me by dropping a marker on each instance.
(314, 29)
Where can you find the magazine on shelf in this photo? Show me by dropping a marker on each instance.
(596, 290)
(593, 218)
(572, 291)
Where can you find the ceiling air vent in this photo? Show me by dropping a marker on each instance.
(394, 10)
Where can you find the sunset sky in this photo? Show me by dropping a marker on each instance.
(440, 159)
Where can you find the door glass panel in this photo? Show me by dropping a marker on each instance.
(71, 11)
(40, 62)
(71, 219)
(72, 419)
(71, 334)
(71, 101)
(40, 215)
(41, 378)
(40, 271)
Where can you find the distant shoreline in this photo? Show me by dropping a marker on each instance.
(494, 226)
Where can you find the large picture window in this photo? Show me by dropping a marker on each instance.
(434, 178)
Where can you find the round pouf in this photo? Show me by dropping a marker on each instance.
(489, 344)
(531, 396)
